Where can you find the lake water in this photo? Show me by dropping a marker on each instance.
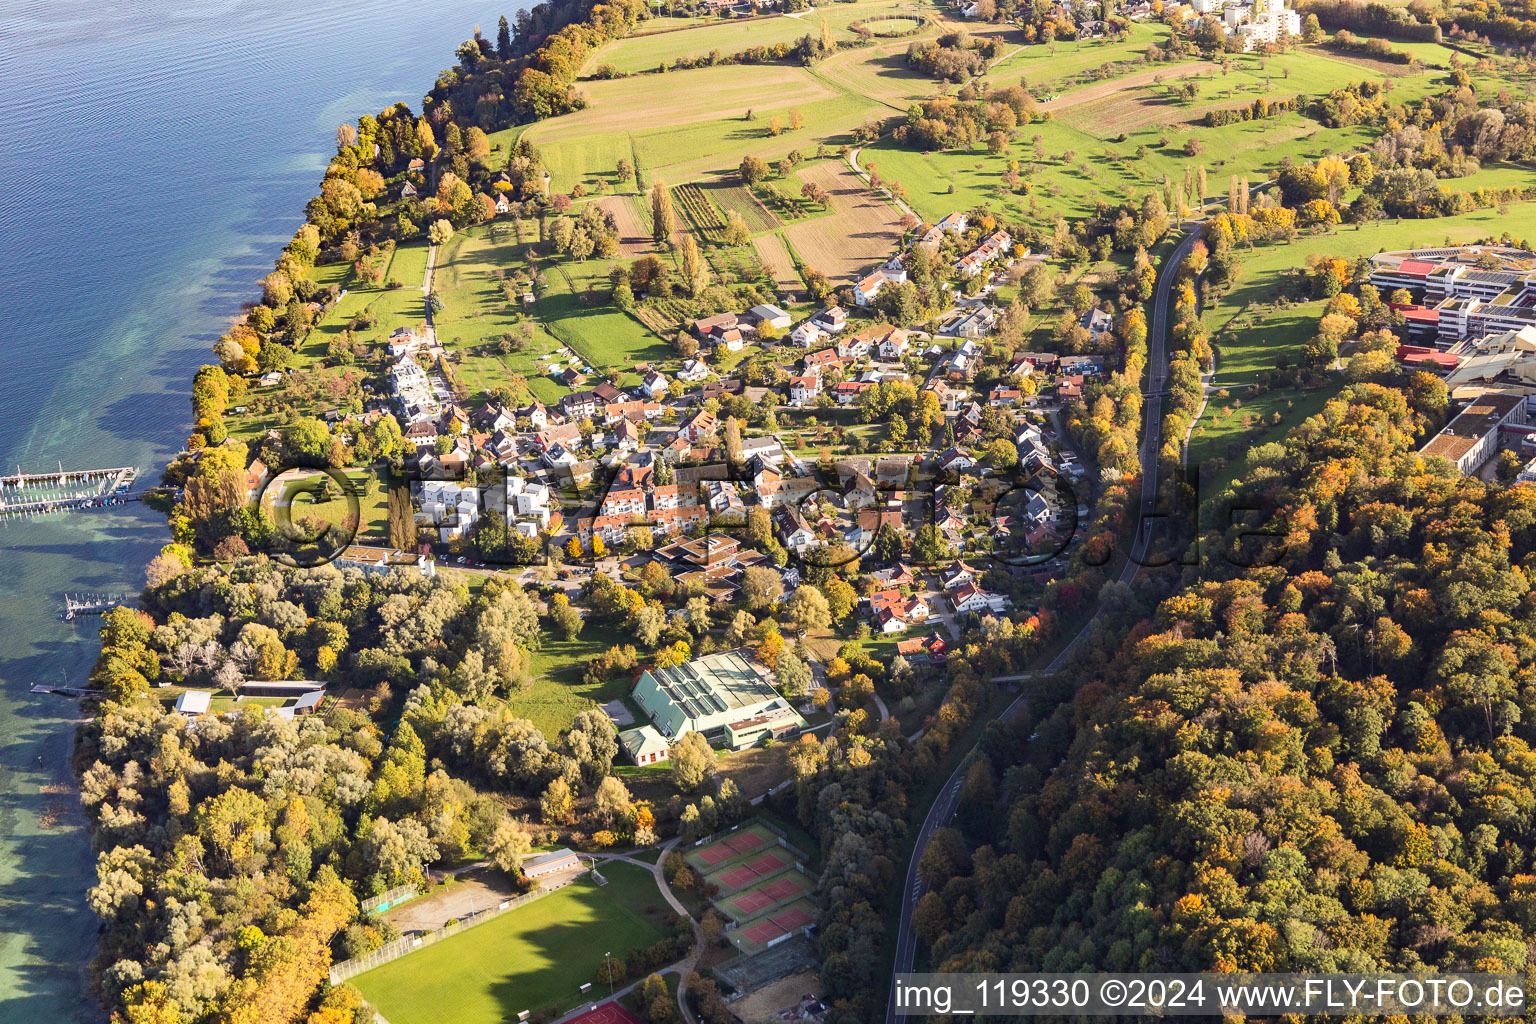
(154, 161)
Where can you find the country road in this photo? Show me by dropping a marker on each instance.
(943, 809)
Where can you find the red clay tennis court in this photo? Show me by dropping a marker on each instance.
(763, 932)
(752, 902)
(742, 842)
(767, 864)
(794, 917)
(781, 889)
(715, 853)
(737, 877)
(608, 1013)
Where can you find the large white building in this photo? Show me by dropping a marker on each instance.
(719, 695)
(1461, 292)
(1255, 22)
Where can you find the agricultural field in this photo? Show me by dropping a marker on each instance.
(646, 51)
(634, 227)
(730, 194)
(700, 128)
(704, 220)
(881, 74)
(861, 231)
(530, 958)
(772, 250)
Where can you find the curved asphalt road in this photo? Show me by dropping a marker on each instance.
(943, 809)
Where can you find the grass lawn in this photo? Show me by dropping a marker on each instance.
(687, 124)
(645, 51)
(531, 958)
(557, 694)
(1036, 64)
(1229, 428)
(302, 491)
(573, 309)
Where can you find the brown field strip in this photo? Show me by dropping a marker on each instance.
(775, 256)
(862, 231)
(634, 230)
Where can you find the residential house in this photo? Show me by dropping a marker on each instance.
(626, 436)
(693, 370)
(723, 500)
(806, 334)
(831, 320)
(580, 405)
(990, 249)
(847, 392)
(706, 328)
(792, 530)
(817, 361)
(956, 574)
(701, 425)
(494, 417)
(634, 412)
(949, 397)
(1003, 396)
(654, 385)
(972, 600)
(1096, 321)
(865, 291)
(954, 223)
(956, 460)
(804, 389)
(556, 456)
(1087, 366)
(894, 345)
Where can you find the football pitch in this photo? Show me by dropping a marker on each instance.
(531, 958)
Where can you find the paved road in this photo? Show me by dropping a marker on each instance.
(943, 809)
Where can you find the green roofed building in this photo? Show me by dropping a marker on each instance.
(711, 693)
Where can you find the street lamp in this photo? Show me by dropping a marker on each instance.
(606, 955)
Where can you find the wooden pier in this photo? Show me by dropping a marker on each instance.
(65, 691)
(76, 605)
(25, 494)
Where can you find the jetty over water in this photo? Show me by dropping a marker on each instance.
(89, 604)
(23, 494)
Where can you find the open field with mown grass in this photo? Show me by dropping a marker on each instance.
(531, 958)
(574, 308)
(648, 50)
(558, 694)
(697, 121)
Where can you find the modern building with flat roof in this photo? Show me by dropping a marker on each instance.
(710, 693)
(1470, 438)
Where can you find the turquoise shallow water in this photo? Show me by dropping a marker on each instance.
(154, 160)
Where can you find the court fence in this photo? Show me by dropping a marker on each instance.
(410, 943)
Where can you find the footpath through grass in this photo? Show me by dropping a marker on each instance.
(531, 958)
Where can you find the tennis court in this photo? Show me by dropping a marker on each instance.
(782, 889)
(750, 903)
(726, 851)
(735, 878)
(744, 906)
(740, 876)
(756, 936)
(608, 1013)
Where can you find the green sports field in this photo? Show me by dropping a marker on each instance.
(531, 958)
